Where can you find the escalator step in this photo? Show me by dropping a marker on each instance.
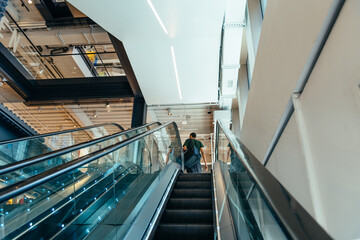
(191, 193)
(189, 203)
(185, 231)
(200, 184)
(194, 177)
(188, 216)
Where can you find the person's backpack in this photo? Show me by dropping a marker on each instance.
(191, 155)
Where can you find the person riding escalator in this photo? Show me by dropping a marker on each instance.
(193, 148)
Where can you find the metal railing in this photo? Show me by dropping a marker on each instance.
(26, 162)
(27, 184)
(61, 132)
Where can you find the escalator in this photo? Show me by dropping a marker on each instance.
(64, 199)
(188, 213)
(122, 189)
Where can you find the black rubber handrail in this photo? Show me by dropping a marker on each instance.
(293, 219)
(60, 132)
(46, 156)
(16, 189)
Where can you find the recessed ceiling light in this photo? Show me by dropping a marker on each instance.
(157, 16)
(176, 71)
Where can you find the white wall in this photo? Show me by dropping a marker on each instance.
(243, 92)
(235, 127)
(331, 110)
(255, 22)
(287, 163)
(288, 34)
(318, 155)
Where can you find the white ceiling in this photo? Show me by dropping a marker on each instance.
(194, 29)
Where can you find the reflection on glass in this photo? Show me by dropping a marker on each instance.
(104, 195)
(37, 168)
(251, 215)
(23, 149)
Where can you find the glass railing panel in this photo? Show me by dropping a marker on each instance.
(22, 214)
(36, 168)
(23, 149)
(106, 194)
(149, 154)
(264, 217)
(252, 217)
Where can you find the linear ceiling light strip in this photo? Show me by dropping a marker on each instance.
(176, 72)
(157, 16)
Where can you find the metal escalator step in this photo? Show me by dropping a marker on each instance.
(187, 216)
(189, 203)
(191, 193)
(197, 185)
(185, 231)
(194, 177)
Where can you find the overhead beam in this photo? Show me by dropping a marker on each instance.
(125, 62)
(79, 88)
(139, 112)
(15, 74)
(11, 126)
(139, 107)
(50, 10)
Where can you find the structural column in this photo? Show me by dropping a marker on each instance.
(139, 112)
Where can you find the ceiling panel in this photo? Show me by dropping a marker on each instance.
(194, 30)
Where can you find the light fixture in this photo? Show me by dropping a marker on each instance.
(176, 72)
(30, 1)
(95, 114)
(169, 112)
(107, 104)
(41, 71)
(187, 117)
(157, 16)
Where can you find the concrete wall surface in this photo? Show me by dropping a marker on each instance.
(318, 155)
